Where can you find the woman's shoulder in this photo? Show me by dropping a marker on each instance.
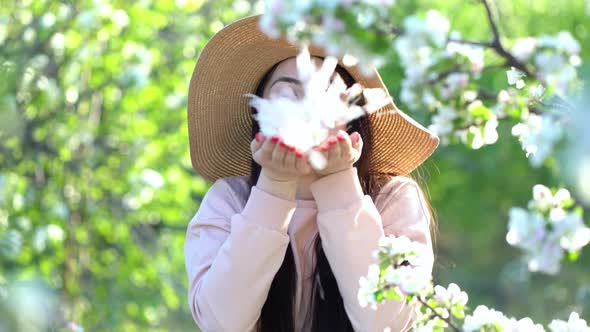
(224, 198)
(398, 187)
(234, 188)
(395, 184)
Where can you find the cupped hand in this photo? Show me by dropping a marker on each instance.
(341, 152)
(279, 161)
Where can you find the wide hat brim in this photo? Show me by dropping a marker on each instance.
(219, 118)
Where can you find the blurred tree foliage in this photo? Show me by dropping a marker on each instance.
(96, 186)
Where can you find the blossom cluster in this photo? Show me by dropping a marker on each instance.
(305, 120)
(548, 229)
(399, 260)
(575, 159)
(555, 58)
(573, 324)
(440, 307)
(487, 319)
(538, 135)
(442, 74)
(441, 69)
(340, 26)
(401, 271)
(439, 74)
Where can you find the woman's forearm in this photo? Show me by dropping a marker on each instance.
(232, 257)
(350, 226)
(279, 188)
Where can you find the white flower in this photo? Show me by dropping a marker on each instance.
(415, 279)
(450, 296)
(319, 22)
(545, 246)
(542, 196)
(537, 91)
(483, 316)
(374, 272)
(393, 276)
(366, 293)
(421, 46)
(573, 234)
(477, 141)
(525, 230)
(550, 62)
(442, 122)
(537, 137)
(546, 259)
(524, 325)
(544, 200)
(368, 287)
(515, 78)
(567, 43)
(575, 60)
(556, 60)
(412, 251)
(503, 97)
(475, 54)
(459, 80)
(574, 324)
(490, 133)
(437, 26)
(409, 279)
(524, 48)
(375, 99)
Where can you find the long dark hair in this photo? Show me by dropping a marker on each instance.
(327, 311)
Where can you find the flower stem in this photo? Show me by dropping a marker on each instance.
(447, 320)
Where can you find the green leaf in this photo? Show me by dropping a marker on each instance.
(393, 293)
(480, 111)
(573, 256)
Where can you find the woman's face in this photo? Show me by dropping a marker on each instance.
(285, 82)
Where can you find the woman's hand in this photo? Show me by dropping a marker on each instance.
(279, 161)
(341, 152)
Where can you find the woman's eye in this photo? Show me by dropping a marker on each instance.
(285, 90)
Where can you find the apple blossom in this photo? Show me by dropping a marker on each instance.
(537, 135)
(574, 324)
(547, 230)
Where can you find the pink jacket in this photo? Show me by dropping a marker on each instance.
(236, 243)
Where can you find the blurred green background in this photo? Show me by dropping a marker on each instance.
(96, 186)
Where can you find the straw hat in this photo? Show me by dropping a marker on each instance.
(219, 121)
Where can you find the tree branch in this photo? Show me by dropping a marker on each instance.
(447, 320)
(493, 26)
(471, 42)
(496, 44)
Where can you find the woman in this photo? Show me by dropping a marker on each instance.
(275, 245)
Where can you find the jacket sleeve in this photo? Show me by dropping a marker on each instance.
(350, 225)
(232, 256)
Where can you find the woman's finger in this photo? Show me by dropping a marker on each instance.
(357, 141)
(290, 158)
(301, 164)
(257, 142)
(334, 148)
(345, 145)
(268, 147)
(357, 145)
(278, 154)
